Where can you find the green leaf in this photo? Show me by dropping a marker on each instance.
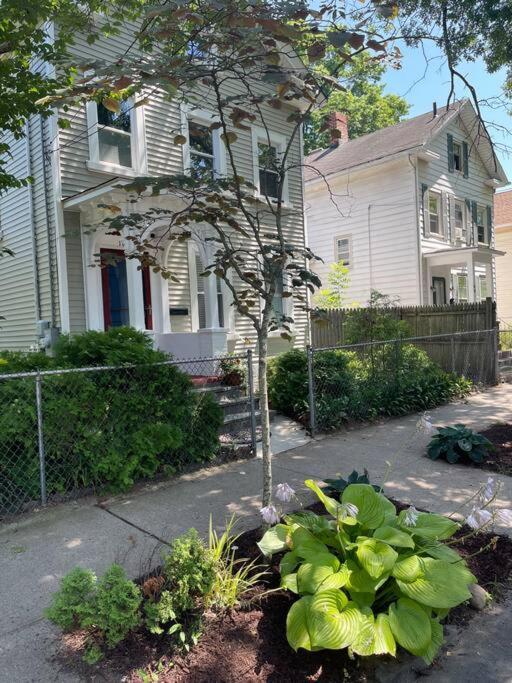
(410, 625)
(289, 581)
(274, 540)
(372, 506)
(374, 637)
(440, 584)
(408, 569)
(376, 557)
(288, 563)
(305, 545)
(321, 573)
(393, 536)
(437, 640)
(440, 551)
(431, 526)
(331, 505)
(297, 631)
(333, 621)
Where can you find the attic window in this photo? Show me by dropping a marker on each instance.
(457, 156)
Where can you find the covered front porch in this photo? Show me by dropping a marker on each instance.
(460, 275)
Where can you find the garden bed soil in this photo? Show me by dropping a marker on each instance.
(500, 459)
(249, 643)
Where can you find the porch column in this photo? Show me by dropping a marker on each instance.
(470, 266)
(160, 303)
(489, 281)
(135, 294)
(210, 290)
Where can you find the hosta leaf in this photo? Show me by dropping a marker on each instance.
(435, 643)
(374, 637)
(429, 525)
(408, 569)
(321, 573)
(331, 505)
(440, 584)
(376, 557)
(440, 551)
(274, 540)
(393, 536)
(360, 581)
(305, 544)
(288, 563)
(290, 582)
(372, 506)
(297, 631)
(410, 625)
(333, 622)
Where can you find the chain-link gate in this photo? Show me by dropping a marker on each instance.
(65, 433)
(349, 381)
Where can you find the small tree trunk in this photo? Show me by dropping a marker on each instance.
(265, 418)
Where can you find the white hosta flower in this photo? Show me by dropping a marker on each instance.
(284, 492)
(504, 516)
(269, 514)
(411, 516)
(488, 492)
(477, 519)
(349, 510)
(425, 425)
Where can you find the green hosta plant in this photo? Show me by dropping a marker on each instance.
(366, 577)
(337, 486)
(454, 443)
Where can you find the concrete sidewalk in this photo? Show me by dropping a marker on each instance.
(38, 550)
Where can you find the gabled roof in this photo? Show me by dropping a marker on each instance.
(406, 136)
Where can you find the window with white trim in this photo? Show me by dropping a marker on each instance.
(481, 224)
(116, 142)
(434, 213)
(459, 219)
(457, 156)
(268, 148)
(343, 251)
(462, 288)
(201, 294)
(202, 157)
(483, 290)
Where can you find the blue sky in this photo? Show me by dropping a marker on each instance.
(424, 79)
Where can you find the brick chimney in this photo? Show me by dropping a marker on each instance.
(337, 124)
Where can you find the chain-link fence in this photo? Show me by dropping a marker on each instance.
(398, 376)
(65, 433)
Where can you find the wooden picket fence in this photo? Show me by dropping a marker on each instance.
(328, 327)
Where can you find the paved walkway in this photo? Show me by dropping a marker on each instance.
(38, 550)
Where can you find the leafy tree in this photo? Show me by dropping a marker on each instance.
(363, 99)
(338, 280)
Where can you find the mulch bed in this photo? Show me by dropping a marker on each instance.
(249, 644)
(500, 459)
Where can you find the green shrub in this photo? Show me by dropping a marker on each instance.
(104, 429)
(389, 379)
(109, 608)
(459, 442)
(367, 578)
(375, 322)
(24, 361)
(73, 597)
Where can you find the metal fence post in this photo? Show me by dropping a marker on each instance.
(252, 408)
(40, 439)
(311, 387)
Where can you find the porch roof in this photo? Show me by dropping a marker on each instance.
(462, 255)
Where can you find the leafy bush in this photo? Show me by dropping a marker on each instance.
(454, 443)
(335, 487)
(391, 379)
(367, 578)
(106, 428)
(375, 322)
(234, 371)
(109, 608)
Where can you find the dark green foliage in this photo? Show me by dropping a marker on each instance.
(234, 371)
(335, 487)
(104, 428)
(390, 379)
(109, 608)
(20, 361)
(188, 575)
(459, 442)
(75, 593)
(375, 322)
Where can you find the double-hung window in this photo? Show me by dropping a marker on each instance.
(343, 251)
(459, 220)
(481, 224)
(268, 150)
(116, 139)
(434, 213)
(462, 288)
(202, 158)
(457, 156)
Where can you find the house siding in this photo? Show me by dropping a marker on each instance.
(384, 197)
(75, 272)
(504, 274)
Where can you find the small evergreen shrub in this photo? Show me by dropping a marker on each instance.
(108, 608)
(459, 443)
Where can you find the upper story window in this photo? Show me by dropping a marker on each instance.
(116, 142)
(459, 220)
(434, 213)
(202, 158)
(268, 149)
(457, 156)
(115, 134)
(481, 225)
(343, 251)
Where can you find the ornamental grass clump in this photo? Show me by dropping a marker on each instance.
(366, 577)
